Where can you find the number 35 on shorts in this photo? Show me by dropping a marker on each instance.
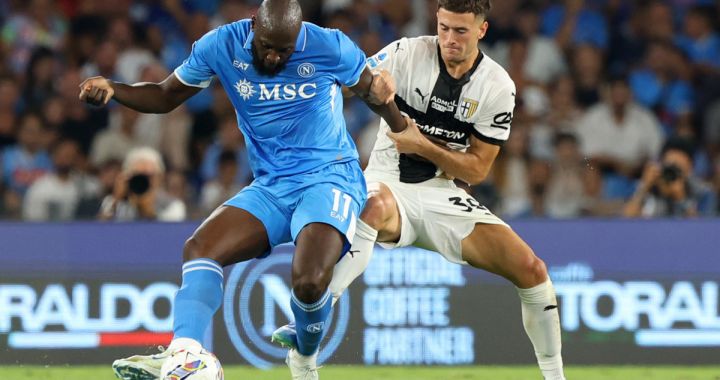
(468, 204)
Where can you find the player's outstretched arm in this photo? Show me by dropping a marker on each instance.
(388, 110)
(144, 97)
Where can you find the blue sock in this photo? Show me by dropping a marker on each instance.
(198, 299)
(310, 322)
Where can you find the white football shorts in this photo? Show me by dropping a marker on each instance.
(435, 215)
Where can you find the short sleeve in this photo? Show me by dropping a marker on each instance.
(352, 61)
(493, 124)
(389, 57)
(196, 70)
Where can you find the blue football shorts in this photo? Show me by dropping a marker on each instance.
(333, 195)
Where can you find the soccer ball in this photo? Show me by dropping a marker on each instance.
(192, 365)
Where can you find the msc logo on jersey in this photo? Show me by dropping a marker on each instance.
(289, 91)
(245, 89)
(306, 70)
(468, 107)
(257, 301)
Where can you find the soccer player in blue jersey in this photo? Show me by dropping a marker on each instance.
(284, 78)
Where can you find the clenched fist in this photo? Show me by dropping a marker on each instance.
(382, 89)
(96, 91)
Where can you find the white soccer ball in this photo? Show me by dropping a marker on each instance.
(192, 365)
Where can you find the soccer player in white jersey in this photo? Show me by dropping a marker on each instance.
(462, 102)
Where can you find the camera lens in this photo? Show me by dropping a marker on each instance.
(139, 184)
(670, 173)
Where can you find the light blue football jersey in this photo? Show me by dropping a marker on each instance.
(292, 122)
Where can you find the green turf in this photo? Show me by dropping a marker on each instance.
(335, 372)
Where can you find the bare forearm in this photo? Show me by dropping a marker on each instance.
(144, 97)
(464, 166)
(391, 114)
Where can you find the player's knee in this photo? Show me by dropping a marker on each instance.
(531, 272)
(536, 272)
(377, 211)
(195, 248)
(309, 288)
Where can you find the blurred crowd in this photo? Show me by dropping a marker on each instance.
(618, 106)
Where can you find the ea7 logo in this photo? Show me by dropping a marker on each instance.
(240, 65)
(502, 120)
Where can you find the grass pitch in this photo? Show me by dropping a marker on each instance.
(334, 372)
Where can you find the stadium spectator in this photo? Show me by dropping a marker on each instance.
(139, 192)
(40, 76)
(562, 115)
(566, 194)
(587, 72)
(224, 186)
(700, 41)
(619, 136)
(669, 189)
(228, 139)
(573, 22)
(511, 175)
(36, 23)
(24, 162)
(544, 61)
(663, 84)
(56, 195)
(118, 139)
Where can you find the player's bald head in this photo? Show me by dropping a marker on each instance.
(280, 16)
(276, 27)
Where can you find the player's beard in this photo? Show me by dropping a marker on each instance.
(257, 63)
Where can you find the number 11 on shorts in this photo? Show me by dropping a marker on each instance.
(335, 213)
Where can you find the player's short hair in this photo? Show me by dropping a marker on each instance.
(143, 154)
(480, 8)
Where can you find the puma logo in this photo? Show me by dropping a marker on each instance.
(397, 47)
(422, 97)
(550, 307)
(352, 253)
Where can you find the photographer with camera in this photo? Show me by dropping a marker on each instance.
(139, 193)
(669, 188)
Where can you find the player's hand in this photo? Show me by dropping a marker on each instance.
(410, 140)
(96, 91)
(382, 88)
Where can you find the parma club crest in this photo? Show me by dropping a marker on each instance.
(468, 107)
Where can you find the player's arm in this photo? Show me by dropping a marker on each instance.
(387, 110)
(471, 166)
(144, 97)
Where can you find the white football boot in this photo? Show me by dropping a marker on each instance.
(147, 367)
(302, 367)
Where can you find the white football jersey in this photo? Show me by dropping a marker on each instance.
(479, 104)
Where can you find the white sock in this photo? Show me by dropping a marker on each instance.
(542, 325)
(354, 262)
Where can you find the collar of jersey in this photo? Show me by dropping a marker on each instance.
(299, 44)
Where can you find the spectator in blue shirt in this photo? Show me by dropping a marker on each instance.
(574, 23)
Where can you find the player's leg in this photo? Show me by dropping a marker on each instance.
(498, 249)
(379, 221)
(318, 248)
(228, 236)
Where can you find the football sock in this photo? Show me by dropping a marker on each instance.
(355, 261)
(198, 299)
(542, 325)
(310, 322)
